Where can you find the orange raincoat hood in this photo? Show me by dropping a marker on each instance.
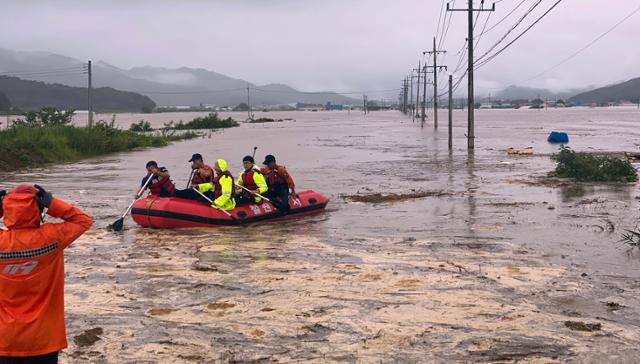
(20, 208)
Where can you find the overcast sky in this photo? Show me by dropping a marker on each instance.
(330, 44)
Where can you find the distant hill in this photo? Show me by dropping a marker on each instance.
(33, 95)
(530, 93)
(167, 87)
(628, 90)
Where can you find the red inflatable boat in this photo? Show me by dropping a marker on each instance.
(171, 212)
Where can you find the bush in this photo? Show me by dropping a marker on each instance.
(48, 116)
(211, 121)
(141, 126)
(593, 168)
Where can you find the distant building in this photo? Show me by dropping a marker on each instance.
(330, 107)
(309, 107)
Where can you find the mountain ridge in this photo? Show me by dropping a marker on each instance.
(183, 86)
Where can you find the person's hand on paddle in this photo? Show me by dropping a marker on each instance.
(294, 194)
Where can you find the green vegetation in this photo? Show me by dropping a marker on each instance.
(47, 137)
(141, 126)
(264, 120)
(211, 121)
(593, 168)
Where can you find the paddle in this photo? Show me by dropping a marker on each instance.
(254, 152)
(277, 204)
(190, 177)
(119, 224)
(218, 208)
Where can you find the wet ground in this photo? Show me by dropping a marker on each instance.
(473, 259)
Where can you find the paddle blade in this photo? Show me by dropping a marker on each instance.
(118, 224)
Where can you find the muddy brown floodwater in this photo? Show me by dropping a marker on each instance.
(470, 260)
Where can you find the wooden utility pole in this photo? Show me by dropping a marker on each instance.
(424, 92)
(89, 96)
(365, 105)
(249, 114)
(435, 70)
(470, 99)
(406, 90)
(450, 111)
(417, 111)
(411, 92)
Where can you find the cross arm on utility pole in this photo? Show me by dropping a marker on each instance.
(493, 8)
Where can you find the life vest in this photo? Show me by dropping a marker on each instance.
(216, 183)
(274, 178)
(248, 182)
(162, 186)
(198, 179)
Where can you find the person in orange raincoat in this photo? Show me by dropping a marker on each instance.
(32, 327)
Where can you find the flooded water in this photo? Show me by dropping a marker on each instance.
(491, 266)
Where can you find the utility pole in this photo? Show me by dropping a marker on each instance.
(411, 92)
(436, 68)
(406, 89)
(450, 111)
(89, 96)
(424, 92)
(417, 111)
(470, 99)
(249, 113)
(365, 106)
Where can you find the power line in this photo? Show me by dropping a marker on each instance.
(574, 54)
(518, 37)
(70, 68)
(191, 92)
(43, 73)
(446, 31)
(483, 27)
(503, 19)
(326, 92)
(496, 44)
(440, 18)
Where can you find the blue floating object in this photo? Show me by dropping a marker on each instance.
(558, 137)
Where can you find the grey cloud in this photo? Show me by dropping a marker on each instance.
(320, 45)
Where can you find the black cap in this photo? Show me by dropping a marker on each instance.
(248, 158)
(268, 159)
(196, 156)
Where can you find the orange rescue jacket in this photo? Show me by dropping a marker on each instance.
(278, 174)
(32, 274)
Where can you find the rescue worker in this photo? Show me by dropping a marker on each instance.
(222, 187)
(32, 327)
(279, 181)
(160, 184)
(202, 173)
(251, 179)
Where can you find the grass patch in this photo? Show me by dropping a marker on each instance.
(22, 147)
(593, 168)
(211, 121)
